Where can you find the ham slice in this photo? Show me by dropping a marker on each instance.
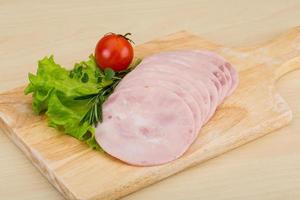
(201, 62)
(225, 66)
(203, 80)
(158, 109)
(146, 126)
(199, 91)
(177, 85)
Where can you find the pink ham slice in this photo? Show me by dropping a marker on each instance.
(181, 87)
(201, 79)
(185, 95)
(200, 63)
(145, 126)
(157, 110)
(225, 66)
(198, 91)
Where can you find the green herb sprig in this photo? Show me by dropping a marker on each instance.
(108, 81)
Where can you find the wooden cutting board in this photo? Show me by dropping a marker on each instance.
(254, 110)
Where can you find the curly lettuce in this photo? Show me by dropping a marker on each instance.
(54, 90)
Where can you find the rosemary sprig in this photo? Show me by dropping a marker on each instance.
(108, 81)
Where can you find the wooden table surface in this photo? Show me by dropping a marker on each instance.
(266, 169)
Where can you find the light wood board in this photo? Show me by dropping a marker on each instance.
(254, 110)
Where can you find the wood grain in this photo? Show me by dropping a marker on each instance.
(78, 172)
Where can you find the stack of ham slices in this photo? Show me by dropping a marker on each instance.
(158, 109)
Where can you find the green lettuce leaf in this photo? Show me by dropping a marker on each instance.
(54, 89)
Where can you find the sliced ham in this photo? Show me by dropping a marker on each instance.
(145, 126)
(199, 62)
(203, 80)
(158, 109)
(186, 96)
(199, 91)
(225, 66)
(179, 86)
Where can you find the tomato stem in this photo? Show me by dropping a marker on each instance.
(125, 36)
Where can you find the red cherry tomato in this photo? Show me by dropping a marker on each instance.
(114, 51)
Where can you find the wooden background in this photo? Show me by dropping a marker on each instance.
(268, 168)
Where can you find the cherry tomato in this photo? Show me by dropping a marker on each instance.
(114, 51)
